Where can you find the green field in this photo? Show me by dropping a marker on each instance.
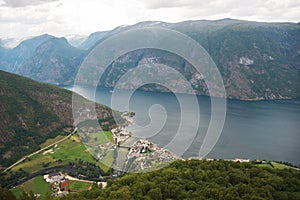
(264, 165)
(274, 165)
(70, 150)
(37, 185)
(104, 136)
(35, 164)
(107, 161)
(99, 138)
(78, 185)
(108, 158)
(277, 165)
(67, 151)
(52, 140)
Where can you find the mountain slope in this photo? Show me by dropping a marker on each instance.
(32, 112)
(92, 40)
(17, 56)
(257, 60)
(75, 40)
(54, 61)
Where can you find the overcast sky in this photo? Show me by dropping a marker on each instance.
(22, 18)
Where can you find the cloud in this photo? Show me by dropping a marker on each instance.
(21, 18)
(158, 4)
(257, 10)
(24, 3)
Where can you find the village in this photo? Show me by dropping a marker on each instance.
(140, 155)
(62, 184)
(120, 135)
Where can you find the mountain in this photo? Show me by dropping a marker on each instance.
(2, 51)
(32, 112)
(93, 39)
(17, 56)
(54, 61)
(256, 60)
(11, 42)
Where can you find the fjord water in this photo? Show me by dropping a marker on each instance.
(267, 130)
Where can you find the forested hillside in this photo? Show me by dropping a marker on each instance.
(200, 179)
(32, 112)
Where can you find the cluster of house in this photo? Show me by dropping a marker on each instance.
(55, 179)
(140, 147)
(120, 135)
(212, 159)
(145, 154)
(241, 160)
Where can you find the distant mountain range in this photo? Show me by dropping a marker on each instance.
(32, 112)
(257, 60)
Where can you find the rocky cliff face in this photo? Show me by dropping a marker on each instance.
(256, 60)
(54, 61)
(14, 58)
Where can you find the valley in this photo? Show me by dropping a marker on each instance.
(153, 126)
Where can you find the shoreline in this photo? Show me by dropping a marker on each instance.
(256, 99)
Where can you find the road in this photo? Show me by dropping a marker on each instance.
(38, 151)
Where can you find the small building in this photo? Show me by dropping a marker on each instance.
(54, 177)
(241, 160)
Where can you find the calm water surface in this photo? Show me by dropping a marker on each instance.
(256, 130)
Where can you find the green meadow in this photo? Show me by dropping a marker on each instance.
(37, 185)
(67, 151)
(78, 185)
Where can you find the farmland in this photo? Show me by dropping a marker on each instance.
(274, 165)
(67, 151)
(70, 152)
(37, 185)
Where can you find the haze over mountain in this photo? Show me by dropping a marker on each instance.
(257, 60)
(76, 40)
(32, 112)
(53, 61)
(17, 56)
(93, 39)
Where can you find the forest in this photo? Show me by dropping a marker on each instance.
(196, 179)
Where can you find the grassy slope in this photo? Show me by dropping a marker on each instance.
(67, 151)
(51, 141)
(37, 185)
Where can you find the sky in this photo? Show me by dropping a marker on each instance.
(24, 18)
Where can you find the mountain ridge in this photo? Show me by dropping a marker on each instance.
(257, 60)
(53, 61)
